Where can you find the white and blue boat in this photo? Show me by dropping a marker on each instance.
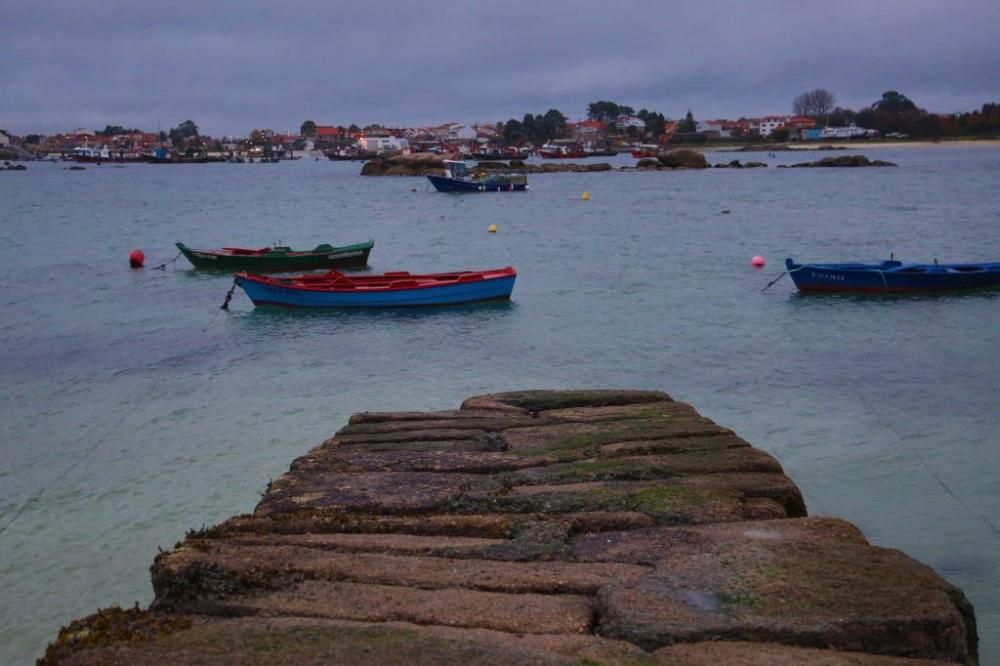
(389, 290)
(892, 276)
(460, 178)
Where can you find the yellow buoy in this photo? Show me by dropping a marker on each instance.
(492, 228)
(586, 196)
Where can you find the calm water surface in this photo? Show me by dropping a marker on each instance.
(133, 409)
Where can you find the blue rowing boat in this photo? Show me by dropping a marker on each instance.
(892, 276)
(388, 290)
(459, 178)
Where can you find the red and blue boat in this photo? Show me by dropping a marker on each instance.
(458, 177)
(892, 276)
(388, 290)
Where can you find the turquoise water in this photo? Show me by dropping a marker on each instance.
(133, 409)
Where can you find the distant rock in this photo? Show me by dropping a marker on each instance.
(418, 164)
(648, 164)
(842, 161)
(764, 148)
(683, 159)
(735, 164)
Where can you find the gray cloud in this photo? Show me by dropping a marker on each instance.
(233, 66)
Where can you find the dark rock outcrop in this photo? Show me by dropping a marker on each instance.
(535, 527)
(683, 159)
(419, 164)
(841, 161)
(735, 164)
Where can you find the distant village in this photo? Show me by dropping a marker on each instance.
(452, 138)
(607, 129)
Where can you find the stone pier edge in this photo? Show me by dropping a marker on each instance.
(589, 526)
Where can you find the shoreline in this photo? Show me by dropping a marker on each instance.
(823, 146)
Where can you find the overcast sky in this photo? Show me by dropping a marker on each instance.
(232, 66)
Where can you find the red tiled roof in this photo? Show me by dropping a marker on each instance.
(326, 130)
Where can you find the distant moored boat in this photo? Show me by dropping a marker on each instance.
(892, 276)
(459, 178)
(279, 258)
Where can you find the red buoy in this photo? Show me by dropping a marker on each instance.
(136, 258)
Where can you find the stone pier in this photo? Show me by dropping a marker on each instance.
(536, 527)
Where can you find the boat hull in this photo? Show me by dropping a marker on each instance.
(892, 277)
(347, 256)
(264, 291)
(445, 184)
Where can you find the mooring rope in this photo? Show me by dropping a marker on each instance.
(916, 454)
(229, 296)
(783, 274)
(164, 264)
(37, 495)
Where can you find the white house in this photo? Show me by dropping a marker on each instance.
(768, 124)
(4, 138)
(849, 132)
(713, 126)
(458, 131)
(624, 122)
(383, 144)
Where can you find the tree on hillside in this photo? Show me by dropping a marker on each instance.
(815, 103)
(840, 117)
(896, 112)
(552, 125)
(308, 128)
(986, 120)
(894, 102)
(688, 124)
(655, 122)
(513, 132)
(188, 129)
(604, 111)
(114, 130)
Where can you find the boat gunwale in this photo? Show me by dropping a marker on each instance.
(263, 253)
(374, 283)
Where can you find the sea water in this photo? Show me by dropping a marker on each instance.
(133, 409)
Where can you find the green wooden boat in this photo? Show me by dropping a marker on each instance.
(280, 258)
